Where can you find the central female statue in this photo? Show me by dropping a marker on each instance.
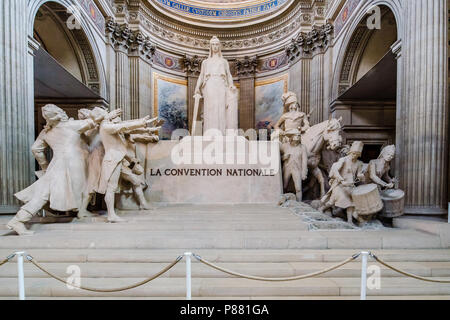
(215, 85)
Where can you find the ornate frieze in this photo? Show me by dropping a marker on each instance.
(306, 43)
(216, 11)
(273, 63)
(94, 13)
(167, 61)
(344, 15)
(192, 38)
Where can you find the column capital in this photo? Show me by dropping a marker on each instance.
(142, 46)
(246, 68)
(317, 39)
(192, 65)
(119, 35)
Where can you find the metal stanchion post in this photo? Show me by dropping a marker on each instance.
(20, 275)
(364, 258)
(188, 256)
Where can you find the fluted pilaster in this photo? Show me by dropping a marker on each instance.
(305, 85)
(424, 107)
(16, 104)
(247, 103)
(246, 70)
(316, 89)
(123, 84)
(134, 87)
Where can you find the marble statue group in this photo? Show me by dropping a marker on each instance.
(355, 189)
(96, 154)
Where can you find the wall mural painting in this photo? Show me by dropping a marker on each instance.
(269, 106)
(170, 104)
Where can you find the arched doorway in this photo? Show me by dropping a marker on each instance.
(366, 85)
(66, 72)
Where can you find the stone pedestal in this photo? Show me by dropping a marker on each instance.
(423, 117)
(243, 176)
(16, 103)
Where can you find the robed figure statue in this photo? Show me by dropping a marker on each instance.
(216, 86)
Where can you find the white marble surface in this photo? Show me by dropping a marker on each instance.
(222, 189)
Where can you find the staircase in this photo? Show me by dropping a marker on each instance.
(258, 240)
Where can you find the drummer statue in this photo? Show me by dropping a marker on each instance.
(378, 169)
(344, 175)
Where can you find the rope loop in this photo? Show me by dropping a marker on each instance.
(139, 284)
(407, 274)
(250, 277)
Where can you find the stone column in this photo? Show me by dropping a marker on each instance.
(424, 108)
(120, 37)
(299, 82)
(316, 107)
(141, 54)
(246, 70)
(16, 103)
(304, 98)
(123, 84)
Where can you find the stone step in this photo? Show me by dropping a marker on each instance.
(222, 287)
(269, 270)
(227, 255)
(190, 240)
(171, 226)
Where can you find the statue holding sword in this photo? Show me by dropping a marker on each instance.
(215, 85)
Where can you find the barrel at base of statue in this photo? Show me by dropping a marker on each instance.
(394, 203)
(367, 199)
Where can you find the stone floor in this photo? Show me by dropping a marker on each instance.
(258, 240)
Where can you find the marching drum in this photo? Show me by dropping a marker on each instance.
(394, 203)
(367, 199)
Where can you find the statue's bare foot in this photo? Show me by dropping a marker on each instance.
(115, 219)
(19, 228)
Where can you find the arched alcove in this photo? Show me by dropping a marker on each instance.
(66, 71)
(365, 86)
(365, 49)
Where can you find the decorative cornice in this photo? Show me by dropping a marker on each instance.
(142, 46)
(130, 42)
(246, 67)
(192, 65)
(194, 39)
(119, 35)
(307, 43)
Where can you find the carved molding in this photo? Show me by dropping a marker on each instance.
(129, 42)
(190, 38)
(307, 43)
(192, 65)
(246, 67)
